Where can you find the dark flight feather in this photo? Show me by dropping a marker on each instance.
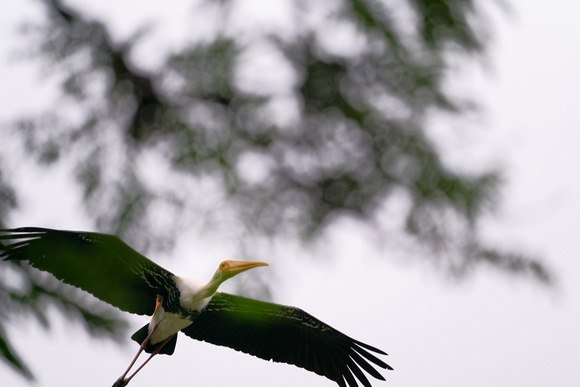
(100, 264)
(285, 334)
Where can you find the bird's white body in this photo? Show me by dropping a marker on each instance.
(193, 296)
(167, 325)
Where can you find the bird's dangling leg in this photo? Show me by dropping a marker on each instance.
(155, 352)
(121, 382)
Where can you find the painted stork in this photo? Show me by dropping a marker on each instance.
(106, 267)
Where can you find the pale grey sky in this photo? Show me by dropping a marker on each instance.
(486, 331)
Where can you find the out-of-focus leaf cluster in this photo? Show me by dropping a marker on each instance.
(350, 130)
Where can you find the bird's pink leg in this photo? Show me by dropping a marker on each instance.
(155, 352)
(121, 382)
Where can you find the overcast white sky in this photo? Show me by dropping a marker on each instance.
(486, 331)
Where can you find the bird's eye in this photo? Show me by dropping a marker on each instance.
(224, 265)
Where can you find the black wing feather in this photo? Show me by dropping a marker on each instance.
(100, 264)
(285, 334)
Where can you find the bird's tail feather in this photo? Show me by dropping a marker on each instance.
(141, 335)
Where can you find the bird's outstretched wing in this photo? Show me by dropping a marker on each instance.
(101, 264)
(285, 334)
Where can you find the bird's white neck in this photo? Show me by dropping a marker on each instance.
(212, 286)
(194, 294)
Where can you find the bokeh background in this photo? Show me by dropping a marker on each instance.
(408, 168)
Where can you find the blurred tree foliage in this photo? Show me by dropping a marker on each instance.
(334, 126)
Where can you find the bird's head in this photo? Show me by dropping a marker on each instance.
(228, 269)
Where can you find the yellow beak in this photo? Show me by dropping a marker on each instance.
(232, 268)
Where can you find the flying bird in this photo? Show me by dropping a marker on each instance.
(109, 269)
